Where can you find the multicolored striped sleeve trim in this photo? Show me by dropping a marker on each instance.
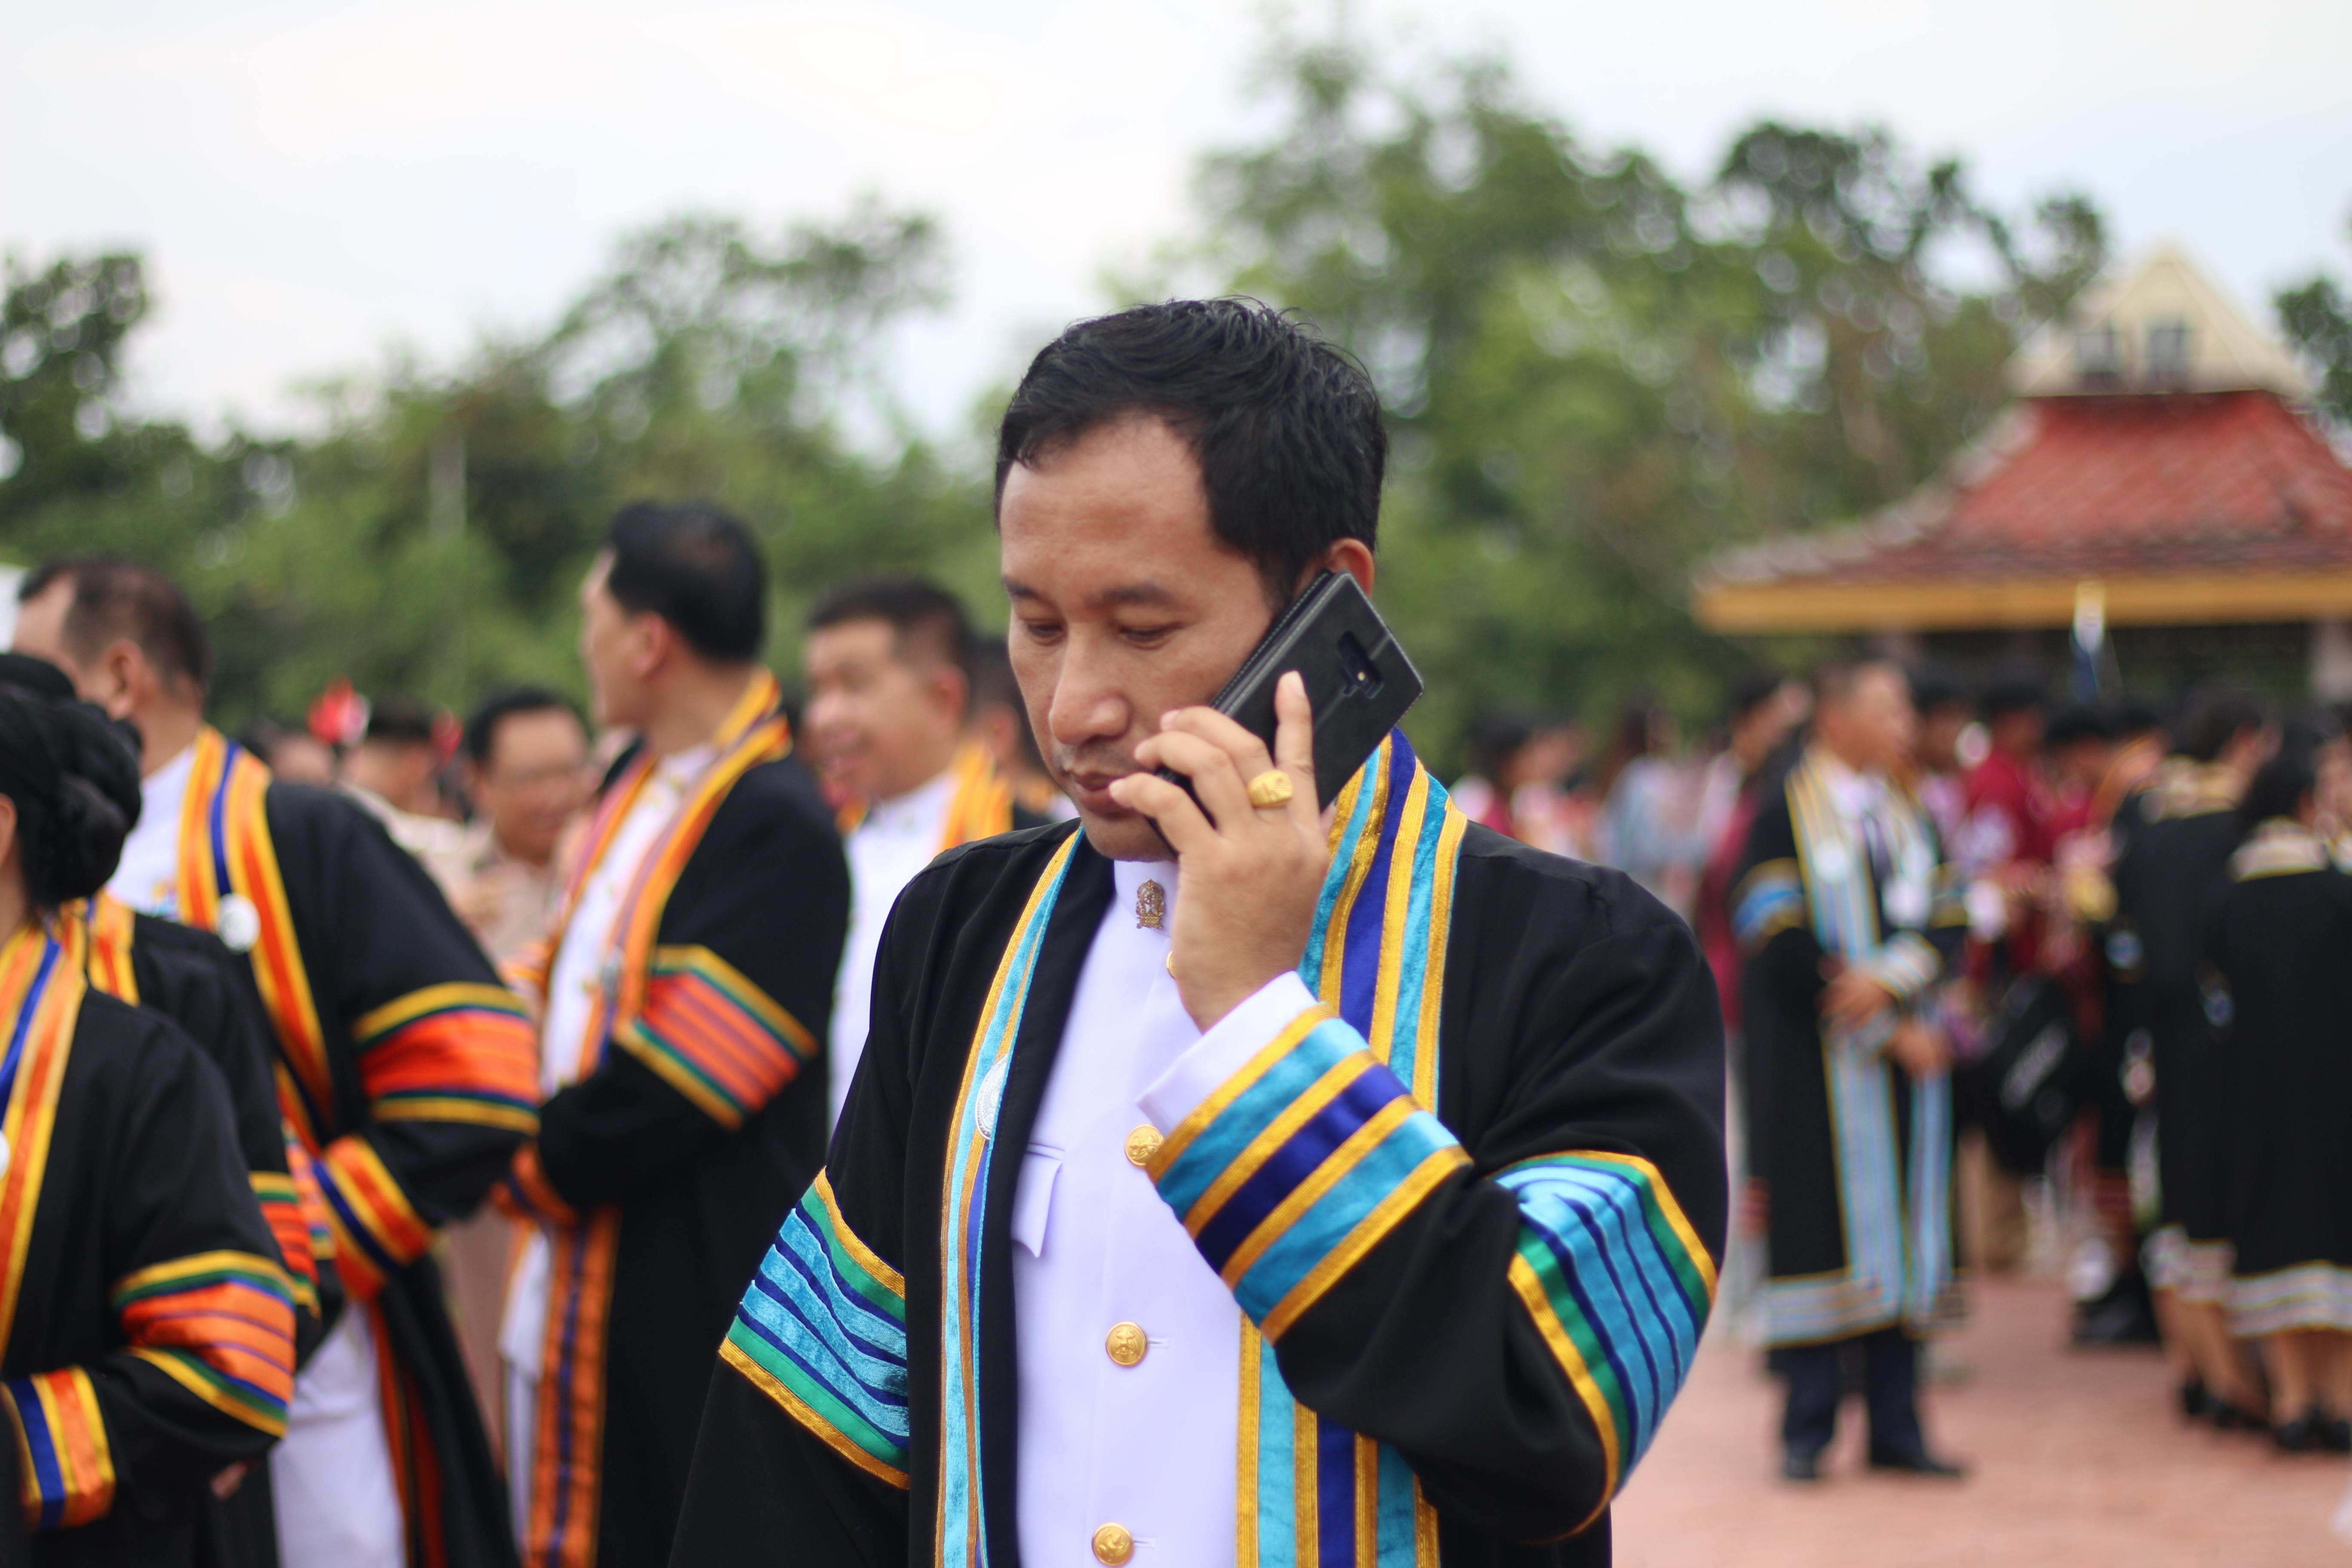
(1769, 900)
(1906, 963)
(1299, 1166)
(713, 1036)
(289, 1227)
(376, 1230)
(525, 1193)
(222, 1325)
(315, 1217)
(823, 1333)
(64, 1465)
(1618, 1284)
(451, 1052)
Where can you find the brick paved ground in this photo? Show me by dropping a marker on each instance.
(2079, 1461)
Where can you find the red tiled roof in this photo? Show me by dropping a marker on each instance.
(2140, 485)
(2109, 487)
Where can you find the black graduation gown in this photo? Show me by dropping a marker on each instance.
(670, 1200)
(1577, 1014)
(2278, 933)
(2169, 862)
(1809, 1226)
(150, 1288)
(408, 1073)
(189, 977)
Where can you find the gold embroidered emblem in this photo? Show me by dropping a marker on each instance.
(1151, 906)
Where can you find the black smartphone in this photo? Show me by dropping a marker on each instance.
(1358, 679)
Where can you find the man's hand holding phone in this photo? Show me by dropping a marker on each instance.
(1252, 874)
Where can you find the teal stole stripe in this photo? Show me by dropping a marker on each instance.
(1377, 953)
(1898, 1243)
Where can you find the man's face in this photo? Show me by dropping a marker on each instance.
(1126, 605)
(41, 632)
(1872, 726)
(612, 648)
(1939, 737)
(881, 720)
(535, 779)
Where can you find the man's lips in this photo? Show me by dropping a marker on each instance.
(1091, 790)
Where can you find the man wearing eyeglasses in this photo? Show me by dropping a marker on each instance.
(526, 770)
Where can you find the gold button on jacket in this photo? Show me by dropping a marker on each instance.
(1113, 1544)
(1141, 1144)
(1127, 1343)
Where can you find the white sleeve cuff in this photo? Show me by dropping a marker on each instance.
(1225, 1049)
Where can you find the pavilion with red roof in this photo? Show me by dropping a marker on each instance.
(2156, 467)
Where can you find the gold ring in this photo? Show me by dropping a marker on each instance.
(1269, 790)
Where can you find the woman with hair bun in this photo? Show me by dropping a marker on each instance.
(146, 1324)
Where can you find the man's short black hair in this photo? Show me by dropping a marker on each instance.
(1750, 690)
(1834, 678)
(2077, 722)
(2280, 786)
(116, 600)
(482, 734)
(400, 721)
(1933, 688)
(697, 567)
(2216, 716)
(1287, 427)
(926, 621)
(2016, 692)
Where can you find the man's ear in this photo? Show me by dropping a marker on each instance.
(1353, 557)
(657, 640)
(124, 679)
(951, 690)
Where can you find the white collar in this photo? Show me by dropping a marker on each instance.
(1855, 794)
(920, 810)
(173, 777)
(680, 769)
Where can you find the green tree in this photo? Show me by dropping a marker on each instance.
(430, 539)
(2317, 318)
(1595, 374)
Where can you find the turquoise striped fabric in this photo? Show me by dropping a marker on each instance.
(823, 1332)
(1626, 1280)
(1316, 1152)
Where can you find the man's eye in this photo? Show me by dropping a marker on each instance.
(1145, 635)
(1041, 631)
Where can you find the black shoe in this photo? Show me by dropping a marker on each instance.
(2300, 1435)
(1796, 1467)
(2228, 1417)
(2124, 1315)
(1921, 1463)
(2195, 1403)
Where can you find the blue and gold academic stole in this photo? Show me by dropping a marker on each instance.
(1307, 1489)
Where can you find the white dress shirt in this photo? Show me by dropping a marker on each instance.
(582, 968)
(147, 878)
(1150, 1446)
(899, 837)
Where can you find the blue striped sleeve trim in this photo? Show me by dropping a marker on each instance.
(1769, 901)
(1299, 1164)
(823, 1332)
(1619, 1285)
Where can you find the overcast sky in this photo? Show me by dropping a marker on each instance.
(315, 181)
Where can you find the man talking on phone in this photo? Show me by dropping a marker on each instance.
(1226, 1179)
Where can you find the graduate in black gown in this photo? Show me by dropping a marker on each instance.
(2278, 933)
(146, 1322)
(1431, 1194)
(2177, 852)
(687, 982)
(1851, 922)
(404, 1069)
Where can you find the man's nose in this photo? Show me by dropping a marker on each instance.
(1086, 705)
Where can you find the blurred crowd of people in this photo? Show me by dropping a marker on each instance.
(2122, 1007)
